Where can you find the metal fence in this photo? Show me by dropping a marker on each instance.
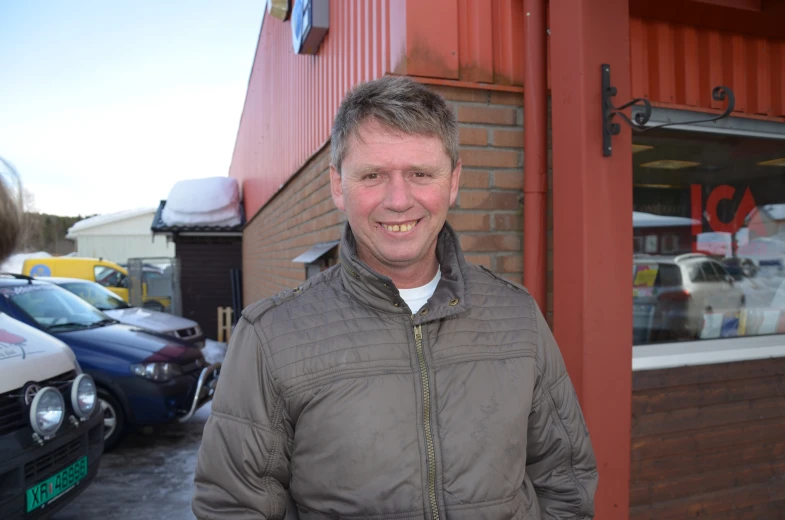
(154, 283)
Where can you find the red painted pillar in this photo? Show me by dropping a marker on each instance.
(592, 232)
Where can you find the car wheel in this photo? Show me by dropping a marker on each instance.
(114, 419)
(153, 306)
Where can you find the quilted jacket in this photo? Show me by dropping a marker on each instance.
(336, 402)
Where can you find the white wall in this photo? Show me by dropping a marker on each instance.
(123, 239)
(120, 248)
(138, 225)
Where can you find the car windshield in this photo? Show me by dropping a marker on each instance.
(54, 308)
(96, 295)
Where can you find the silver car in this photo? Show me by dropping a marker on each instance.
(671, 295)
(153, 321)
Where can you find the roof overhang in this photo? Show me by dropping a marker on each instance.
(316, 252)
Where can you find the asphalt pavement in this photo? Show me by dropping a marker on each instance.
(148, 476)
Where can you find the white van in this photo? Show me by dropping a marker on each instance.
(51, 423)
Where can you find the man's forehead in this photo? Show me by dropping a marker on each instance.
(424, 151)
(371, 129)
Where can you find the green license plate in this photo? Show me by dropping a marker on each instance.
(46, 492)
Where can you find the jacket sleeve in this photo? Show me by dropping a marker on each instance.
(560, 458)
(242, 471)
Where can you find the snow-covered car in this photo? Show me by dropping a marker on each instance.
(51, 425)
(153, 321)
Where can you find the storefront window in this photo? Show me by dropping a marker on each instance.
(708, 236)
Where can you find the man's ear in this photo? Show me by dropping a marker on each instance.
(455, 182)
(336, 188)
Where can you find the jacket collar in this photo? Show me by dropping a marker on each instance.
(378, 291)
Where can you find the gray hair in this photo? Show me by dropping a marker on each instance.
(10, 211)
(398, 103)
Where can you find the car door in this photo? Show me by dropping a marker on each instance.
(112, 279)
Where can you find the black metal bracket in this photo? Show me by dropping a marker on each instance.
(609, 128)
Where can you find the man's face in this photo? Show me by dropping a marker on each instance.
(395, 190)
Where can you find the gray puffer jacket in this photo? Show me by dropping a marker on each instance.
(335, 402)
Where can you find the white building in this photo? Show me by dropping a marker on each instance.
(120, 236)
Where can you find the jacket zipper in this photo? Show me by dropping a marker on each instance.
(426, 412)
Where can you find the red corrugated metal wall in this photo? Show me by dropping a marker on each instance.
(292, 99)
(466, 40)
(678, 64)
(490, 41)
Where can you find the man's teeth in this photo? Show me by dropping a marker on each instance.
(399, 228)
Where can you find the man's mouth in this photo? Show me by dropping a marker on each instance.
(402, 227)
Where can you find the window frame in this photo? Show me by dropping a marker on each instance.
(710, 351)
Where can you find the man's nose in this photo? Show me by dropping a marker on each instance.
(399, 196)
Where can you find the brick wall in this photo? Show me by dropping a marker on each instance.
(300, 215)
(488, 213)
(489, 210)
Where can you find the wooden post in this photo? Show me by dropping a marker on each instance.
(225, 324)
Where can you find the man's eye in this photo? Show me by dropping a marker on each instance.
(372, 176)
(419, 175)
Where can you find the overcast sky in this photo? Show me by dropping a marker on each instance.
(104, 105)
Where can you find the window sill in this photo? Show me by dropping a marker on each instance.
(707, 352)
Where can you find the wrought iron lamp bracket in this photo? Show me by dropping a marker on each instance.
(639, 120)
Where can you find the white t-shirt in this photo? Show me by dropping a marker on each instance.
(416, 297)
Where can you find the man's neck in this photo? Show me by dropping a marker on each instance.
(407, 277)
(415, 277)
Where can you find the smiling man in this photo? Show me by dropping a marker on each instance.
(403, 382)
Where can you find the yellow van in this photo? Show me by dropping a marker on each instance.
(109, 274)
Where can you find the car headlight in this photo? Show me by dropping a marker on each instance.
(83, 396)
(156, 371)
(47, 411)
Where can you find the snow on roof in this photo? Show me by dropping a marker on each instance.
(211, 201)
(100, 220)
(204, 195)
(640, 219)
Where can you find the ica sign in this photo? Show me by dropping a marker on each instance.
(310, 21)
(718, 195)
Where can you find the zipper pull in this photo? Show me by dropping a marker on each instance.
(418, 332)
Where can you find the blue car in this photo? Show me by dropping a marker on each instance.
(143, 379)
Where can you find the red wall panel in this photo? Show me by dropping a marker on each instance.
(292, 99)
(678, 64)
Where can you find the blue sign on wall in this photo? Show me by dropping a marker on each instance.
(310, 21)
